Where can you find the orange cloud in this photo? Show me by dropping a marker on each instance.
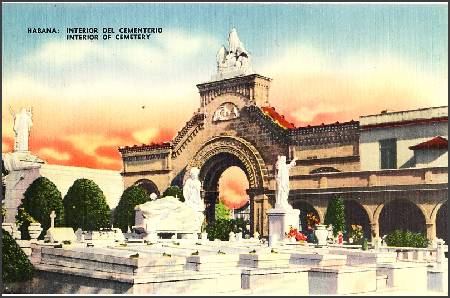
(309, 87)
(232, 188)
(7, 144)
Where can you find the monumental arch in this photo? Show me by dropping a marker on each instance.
(235, 125)
(243, 136)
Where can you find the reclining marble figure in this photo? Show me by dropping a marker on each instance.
(169, 215)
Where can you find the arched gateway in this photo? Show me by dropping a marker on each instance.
(220, 153)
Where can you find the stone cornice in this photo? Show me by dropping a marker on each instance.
(143, 173)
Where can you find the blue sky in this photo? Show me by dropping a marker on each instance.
(329, 62)
(417, 32)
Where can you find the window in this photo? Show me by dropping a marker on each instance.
(388, 154)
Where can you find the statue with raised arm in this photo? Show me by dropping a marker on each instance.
(191, 191)
(22, 126)
(282, 179)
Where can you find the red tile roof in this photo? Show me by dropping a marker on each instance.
(277, 118)
(435, 143)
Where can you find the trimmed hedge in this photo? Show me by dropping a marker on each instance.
(174, 191)
(400, 238)
(15, 263)
(335, 215)
(85, 206)
(124, 214)
(221, 228)
(40, 199)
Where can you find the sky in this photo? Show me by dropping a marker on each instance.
(328, 62)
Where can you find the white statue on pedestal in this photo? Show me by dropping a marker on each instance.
(22, 126)
(282, 179)
(191, 191)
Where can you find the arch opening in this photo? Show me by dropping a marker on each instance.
(233, 186)
(401, 214)
(442, 222)
(148, 185)
(215, 187)
(355, 214)
(305, 208)
(218, 154)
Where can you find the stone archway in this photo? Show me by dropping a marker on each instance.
(220, 153)
(355, 213)
(148, 185)
(401, 214)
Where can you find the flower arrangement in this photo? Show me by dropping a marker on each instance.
(356, 233)
(312, 219)
(294, 233)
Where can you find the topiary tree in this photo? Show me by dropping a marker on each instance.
(124, 212)
(85, 206)
(174, 191)
(40, 199)
(15, 264)
(335, 215)
(222, 211)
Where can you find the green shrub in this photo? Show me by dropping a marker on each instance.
(221, 228)
(221, 211)
(15, 264)
(23, 221)
(40, 199)
(124, 214)
(85, 206)
(335, 215)
(174, 191)
(400, 238)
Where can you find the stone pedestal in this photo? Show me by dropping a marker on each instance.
(280, 281)
(437, 279)
(23, 169)
(405, 275)
(341, 280)
(280, 219)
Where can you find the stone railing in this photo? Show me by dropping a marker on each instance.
(410, 176)
(415, 253)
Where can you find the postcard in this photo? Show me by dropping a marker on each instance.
(225, 148)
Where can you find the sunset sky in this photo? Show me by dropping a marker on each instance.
(328, 63)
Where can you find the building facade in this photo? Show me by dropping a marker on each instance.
(375, 164)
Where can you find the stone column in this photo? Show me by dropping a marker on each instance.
(252, 214)
(431, 230)
(265, 206)
(374, 230)
(259, 205)
(210, 198)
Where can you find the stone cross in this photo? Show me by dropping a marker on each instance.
(52, 219)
